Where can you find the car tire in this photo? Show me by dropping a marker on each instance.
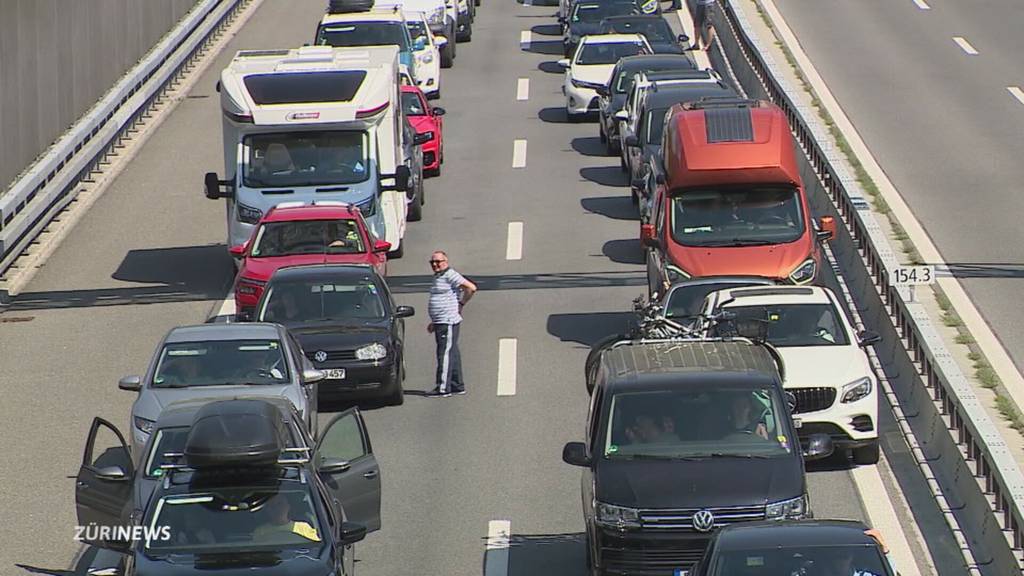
(448, 55)
(477, 2)
(399, 252)
(415, 213)
(866, 455)
(622, 165)
(594, 358)
(433, 172)
(396, 396)
(467, 34)
(634, 197)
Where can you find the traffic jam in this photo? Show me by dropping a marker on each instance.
(740, 364)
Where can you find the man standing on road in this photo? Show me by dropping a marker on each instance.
(445, 311)
(702, 30)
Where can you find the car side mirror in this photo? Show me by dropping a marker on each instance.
(380, 246)
(311, 375)
(419, 44)
(827, 230)
(602, 91)
(564, 62)
(621, 116)
(217, 86)
(404, 311)
(238, 251)
(438, 111)
(130, 383)
(683, 38)
(422, 138)
(352, 532)
(647, 237)
(818, 446)
(575, 453)
(790, 401)
(112, 474)
(440, 41)
(632, 141)
(212, 187)
(867, 338)
(402, 176)
(333, 466)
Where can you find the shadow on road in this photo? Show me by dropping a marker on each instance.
(589, 146)
(551, 67)
(614, 207)
(553, 115)
(587, 328)
(546, 47)
(626, 251)
(605, 176)
(547, 29)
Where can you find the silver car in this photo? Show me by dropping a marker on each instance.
(214, 361)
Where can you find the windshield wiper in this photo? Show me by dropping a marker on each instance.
(725, 455)
(741, 242)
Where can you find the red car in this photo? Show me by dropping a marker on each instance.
(425, 119)
(294, 235)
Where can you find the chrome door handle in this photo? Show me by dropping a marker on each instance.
(370, 475)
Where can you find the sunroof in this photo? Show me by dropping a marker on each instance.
(729, 125)
(336, 86)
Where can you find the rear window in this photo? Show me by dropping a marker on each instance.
(371, 33)
(305, 87)
(340, 86)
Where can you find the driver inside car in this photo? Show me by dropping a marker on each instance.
(747, 415)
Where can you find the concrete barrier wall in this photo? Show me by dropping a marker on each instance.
(58, 57)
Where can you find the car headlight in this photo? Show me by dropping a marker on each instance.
(794, 508)
(804, 273)
(374, 351)
(427, 58)
(144, 426)
(368, 208)
(248, 214)
(612, 516)
(856, 390)
(675, 273)
(582, 84)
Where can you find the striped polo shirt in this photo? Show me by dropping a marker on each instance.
(443, 306)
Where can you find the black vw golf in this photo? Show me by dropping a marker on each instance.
(347, 323)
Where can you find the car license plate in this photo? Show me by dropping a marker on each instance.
(681, 572)
(335, 373)
(797, 423)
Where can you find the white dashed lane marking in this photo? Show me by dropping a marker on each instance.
(1017, 93)
(523, 89)
(514, 246)
(525, 37)
(519, 154)
(965, 45)
(507, 351)
(922, 5)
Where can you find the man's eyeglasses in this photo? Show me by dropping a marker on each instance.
(437, 261)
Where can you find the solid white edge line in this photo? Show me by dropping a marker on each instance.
(965, 45)
(514, 246)
(519, 154)
(227, 307)
(699, 56)
(499, 533)
(882, 516)
(523, 89)
(507, 366)
(1017, 93)
(525, 37)
(922, 5)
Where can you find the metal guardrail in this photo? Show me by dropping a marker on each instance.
(52, 182)
(981, 480)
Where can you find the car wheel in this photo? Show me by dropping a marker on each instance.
(448, 55)
(398, 252)
(416, 207)
(613, 147)
(601, 135)
(634, 196)
(467, 33)
(397, 396)
(477, 2)
(433, 172)
(622, 165)
(867, 454)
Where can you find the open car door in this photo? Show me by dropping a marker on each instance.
(345, 462)
(103, 487)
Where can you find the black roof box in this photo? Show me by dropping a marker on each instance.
(236, 433)
(343, 6)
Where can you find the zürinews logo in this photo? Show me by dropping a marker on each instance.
(94, 532)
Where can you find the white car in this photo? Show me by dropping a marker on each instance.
(826, 367)
(440, 15)
(591, 66)
(427, 52)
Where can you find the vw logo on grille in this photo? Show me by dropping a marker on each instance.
(703, 521)
(320, 356)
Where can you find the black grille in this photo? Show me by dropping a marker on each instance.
(729, 125)
(812, 399)
(333, 355)
(428, 158)
(682, 520)
(652, 560)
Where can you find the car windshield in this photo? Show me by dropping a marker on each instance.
(696, 422)
(654, 125)
(319, 300)
(417, 30)
(221, 362)
(305, 159)
(748, 216)
(261, 517)
(791, 325)
(594, 13)
(607, 52)
(687, 301)
(809, 560)
(296, 237)
(374, 33)
(166, 440)
(655, 29)
(412, 105)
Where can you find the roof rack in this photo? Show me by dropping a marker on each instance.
(712, 102)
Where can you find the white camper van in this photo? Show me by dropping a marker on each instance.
(312, 124)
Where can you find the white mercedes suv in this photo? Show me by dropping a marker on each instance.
(591, 67)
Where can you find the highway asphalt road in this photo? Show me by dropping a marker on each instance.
(942, 124)
(149, 255)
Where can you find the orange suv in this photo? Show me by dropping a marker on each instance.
(729, 199)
